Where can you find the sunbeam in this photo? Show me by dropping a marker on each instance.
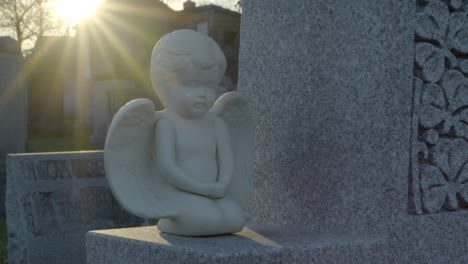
(75, 10)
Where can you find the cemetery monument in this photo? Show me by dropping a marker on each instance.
(359, 110)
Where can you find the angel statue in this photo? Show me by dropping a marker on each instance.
(189, 165)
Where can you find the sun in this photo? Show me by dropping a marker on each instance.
(76, 10)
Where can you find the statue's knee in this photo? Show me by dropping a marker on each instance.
(234, 217)
(238, 222)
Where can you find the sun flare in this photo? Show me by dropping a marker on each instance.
(76, 10)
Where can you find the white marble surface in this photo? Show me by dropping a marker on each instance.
(189, 165)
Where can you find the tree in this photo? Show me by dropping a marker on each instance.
(27, 20)
(239, 5)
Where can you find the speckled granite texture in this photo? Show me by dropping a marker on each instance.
(330, 83)
(255, 244)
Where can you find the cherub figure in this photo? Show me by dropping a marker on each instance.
(189, 165)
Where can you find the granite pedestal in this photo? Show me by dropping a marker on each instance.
(254, 244)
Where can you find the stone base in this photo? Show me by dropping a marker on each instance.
(254, 244)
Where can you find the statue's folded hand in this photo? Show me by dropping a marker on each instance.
(216, 190)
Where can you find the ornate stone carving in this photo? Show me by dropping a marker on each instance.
(438, 179)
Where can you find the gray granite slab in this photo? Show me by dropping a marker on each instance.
(254, 244)
(53, 199)
(13, 105)
(337, 134)
(330, 87)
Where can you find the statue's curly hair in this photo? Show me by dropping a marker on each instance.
(180, 51)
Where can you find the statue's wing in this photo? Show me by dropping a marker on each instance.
(128, 158)
(234, 110)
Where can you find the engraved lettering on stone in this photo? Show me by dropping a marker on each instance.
(28, 215)
(63, 169)
(64, 211)
(438, 181)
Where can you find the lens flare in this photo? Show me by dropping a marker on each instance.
(76, 10)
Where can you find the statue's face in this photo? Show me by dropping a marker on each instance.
(194, 96)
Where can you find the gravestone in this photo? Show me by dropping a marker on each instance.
(46, 102)
(100, 107)
(330, 88)
(53, 200)
(359, 109)
(12, 107)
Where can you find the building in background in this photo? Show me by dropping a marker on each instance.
(109, 61)
(120, 36)
(220, 24)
